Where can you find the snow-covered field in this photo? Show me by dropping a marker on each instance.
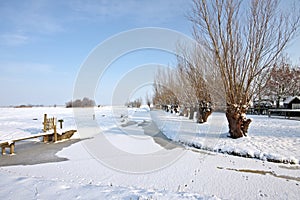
(128, 158)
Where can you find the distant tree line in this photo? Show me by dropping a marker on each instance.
(27, 106)
(134, 104)
(85, 102)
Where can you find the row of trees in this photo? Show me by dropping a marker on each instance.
(85, 102)
(135, 104)
(242, 41)
(185, 85)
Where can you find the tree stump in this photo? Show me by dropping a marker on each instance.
(237, 121)
(204, 110)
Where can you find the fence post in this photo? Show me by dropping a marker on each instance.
(55, 134)
(45, 123)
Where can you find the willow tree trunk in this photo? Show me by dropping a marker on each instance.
(238, 123)
(192, 111)
(204, 110)
(202, 115)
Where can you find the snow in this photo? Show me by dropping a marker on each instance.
(119, 161)
(290, 98)
(49, 189)
(272, 139)
(23, 122)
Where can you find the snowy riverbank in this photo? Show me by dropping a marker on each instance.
(271, 139)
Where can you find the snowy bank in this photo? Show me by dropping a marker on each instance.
(270, 139)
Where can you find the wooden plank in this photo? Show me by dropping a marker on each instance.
(31, 137)
(3, 143)
(55, 137)
(24, 138)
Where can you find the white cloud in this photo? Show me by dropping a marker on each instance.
(155, 11)
(23, 19)
(30, 17)
(13, 39)
(14, 68)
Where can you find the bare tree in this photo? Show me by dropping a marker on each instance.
(283, 81)
(165, 90)
(185, 85)
(244, 45)
(191, 67)
(148, 99)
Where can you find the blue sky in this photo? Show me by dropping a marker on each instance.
(43, 43)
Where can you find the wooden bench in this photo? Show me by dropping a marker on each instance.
(11, 143)
(49, 124)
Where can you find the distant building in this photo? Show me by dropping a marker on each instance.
(261, 107)
(292, 103)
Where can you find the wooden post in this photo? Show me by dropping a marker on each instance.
(3, 150)
(46, 138)
(55, 134)
(45, 123)
(12, 148)
(60, 122)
